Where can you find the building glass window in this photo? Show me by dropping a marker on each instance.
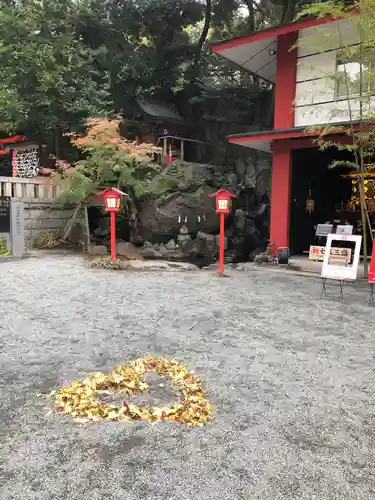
(349, 79)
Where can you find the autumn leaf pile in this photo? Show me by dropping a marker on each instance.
(80, 399)
(108, 263)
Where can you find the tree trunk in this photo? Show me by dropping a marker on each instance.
(70, 224)
(289, 11)
(251, 21)
(87, 238)
(134, 222)
(57, 142)
(203, 37)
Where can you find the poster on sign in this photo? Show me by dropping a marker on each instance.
(337, 269)
(371, 273)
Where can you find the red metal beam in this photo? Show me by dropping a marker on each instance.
(273, 32)
(276, 136)
(15, 138)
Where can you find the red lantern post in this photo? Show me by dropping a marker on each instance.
(170, 157)
(112, 198)
(223, 202)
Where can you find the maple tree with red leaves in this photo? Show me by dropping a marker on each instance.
(108, 159)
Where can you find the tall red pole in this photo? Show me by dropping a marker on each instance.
(221, 250)
(113, 236)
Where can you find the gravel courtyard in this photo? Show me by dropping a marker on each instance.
(291, 378)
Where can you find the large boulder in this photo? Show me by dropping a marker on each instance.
(187, 245)
(128, 250)
(98, 250)
(171, 245)
(205, 244)
(254, 174)
(217, 242)
(162, 219)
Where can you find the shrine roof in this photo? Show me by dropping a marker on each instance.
(257, 52)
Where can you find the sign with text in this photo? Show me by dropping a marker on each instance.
(4, 214)
(317, 252)
(17, 228)
(338, 270)
(371, 273)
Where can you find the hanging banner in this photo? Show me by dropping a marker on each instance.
(371, 273)
(338, 269)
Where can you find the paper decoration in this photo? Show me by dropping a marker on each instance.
(25, 163)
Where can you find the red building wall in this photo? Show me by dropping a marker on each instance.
(286, 71)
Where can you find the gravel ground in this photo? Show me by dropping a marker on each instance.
(291, 378)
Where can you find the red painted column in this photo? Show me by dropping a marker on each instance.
(286, 75)
(285, 92)
(281, 196)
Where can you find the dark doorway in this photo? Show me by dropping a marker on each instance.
(310, 171)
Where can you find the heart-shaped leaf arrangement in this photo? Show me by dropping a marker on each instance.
(79, 399)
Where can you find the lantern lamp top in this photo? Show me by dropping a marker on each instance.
(112, 198)
(112, 191)
(222, 193)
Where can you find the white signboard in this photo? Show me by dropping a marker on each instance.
(317, 253)
(338, 270)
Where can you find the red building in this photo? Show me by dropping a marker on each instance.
(304, 97)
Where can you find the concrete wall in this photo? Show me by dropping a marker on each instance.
(42, 217)
(41, 214)
(316, 100)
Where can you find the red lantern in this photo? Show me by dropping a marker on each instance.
(112, 198)
(223, 202)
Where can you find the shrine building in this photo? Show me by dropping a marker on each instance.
(304, 191)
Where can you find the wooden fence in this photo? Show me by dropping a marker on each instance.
(38, 189)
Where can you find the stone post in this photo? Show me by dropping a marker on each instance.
(17, 228)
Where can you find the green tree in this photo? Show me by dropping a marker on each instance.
(108, 160)
(49, 82)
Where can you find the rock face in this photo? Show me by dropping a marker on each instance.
(193, 212)
(206, 245)
(188, 205)
(98, 250)
(128, 250)
(161, 219)
(184, 224)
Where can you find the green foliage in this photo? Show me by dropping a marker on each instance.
(48, 78)
(109, 160)
(4, 248)
(62, 61)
